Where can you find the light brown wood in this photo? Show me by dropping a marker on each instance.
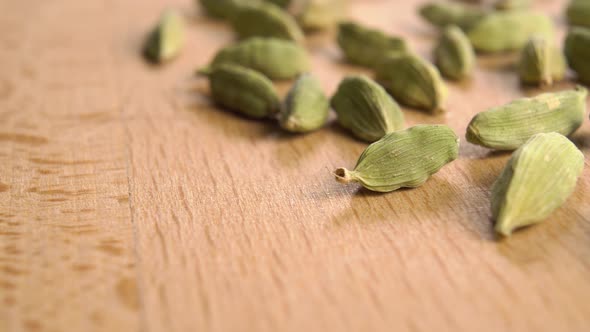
(129, 203)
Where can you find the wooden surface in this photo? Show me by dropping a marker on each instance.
(129, 203)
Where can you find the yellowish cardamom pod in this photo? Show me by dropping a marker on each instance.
(413, 82)
(541, 63)
(306, 107)
(265, 20)
(403, 159)
(366, 109)
(454, 55)
(321, 14)
(510, 126)
(539, 178)
(577, 52)
(441, 14)
(166, 40)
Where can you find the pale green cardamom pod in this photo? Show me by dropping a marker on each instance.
(512, 4)
(275, 58)
(454, 55)
(306, 107)
(243, 90)
(221, 8)
(265, 20)
(541, 63)
(365, 108)
(509, 30)
(413, 81)
(578, 13)
(510, 126)
(367, 47)
(577, 52)
(538, 179)
(441, 14)
(403, 159)
(167, 38)
(321, 14)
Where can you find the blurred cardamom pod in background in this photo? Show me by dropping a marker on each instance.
(578, 13)
(306, 107)
(541, 63)
(441, 14)
(166, 39)
(265, 20)
(454, 56)
(577, 52)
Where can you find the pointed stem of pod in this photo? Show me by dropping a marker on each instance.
(343, 175)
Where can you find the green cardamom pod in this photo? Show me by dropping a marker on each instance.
(366, 109)
(512, 4)
(403, 159)
(509, 30)
(578, 13)
(577, 52)
(321, 14)
(265, 20)
(541, 63)
(243, 90)
(306, 107)
(510, 126)
(538, 178)
(222, 8)
(167, 38)
(454, 55)
(366, 47)
(275, 58)
(412, 81)
(441, 14)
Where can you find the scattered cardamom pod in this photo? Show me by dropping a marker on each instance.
(441, 14)
(167, 38)
(454, 55)
(221, 8)
(275, 58)
(541, 63)
(366, 109)
(412, 81)
(243, 90)
(578, 13)
(306, 107)
(321, 14)
(366, 47)
(577, 52)
(538, 178)
(509, 30)
(512, 4)
(265, 20)
(510, 126)
(405, 158)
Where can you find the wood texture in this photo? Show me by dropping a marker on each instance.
(128, 202)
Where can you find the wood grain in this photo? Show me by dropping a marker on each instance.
(128, 202)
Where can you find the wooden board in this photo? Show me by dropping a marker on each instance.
(129, 203)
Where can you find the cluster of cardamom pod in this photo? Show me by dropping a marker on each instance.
(543, 170)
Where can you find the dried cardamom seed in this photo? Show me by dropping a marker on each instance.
(538, 179)
(541, 63)
(366, 109)
(243, 90)
(321, 14)
(265, 20)
(578, 13)
(405, 158)
(275, 58)
(577, 52)
(366, 47)
(512, 4)
(306, 106)
(221, 8)
(509, 30)
(510, 126)
(167, 38)
(454, 55)
(412, 81)
(441, 14)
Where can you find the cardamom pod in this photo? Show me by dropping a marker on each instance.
(321, 14)
(577, 52)
(510, 126)
(366, 109)
(243, 90)
(265, 20)
(441, 14)
(454, 55)
(405, 158)
(221, 8)
(512, 4)
(538, 178)
(167, 38)
(412, 81)
(306, 107)
(509, 30)
(275, 58)
(578, 13)
(541, 63)
(366, 47)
